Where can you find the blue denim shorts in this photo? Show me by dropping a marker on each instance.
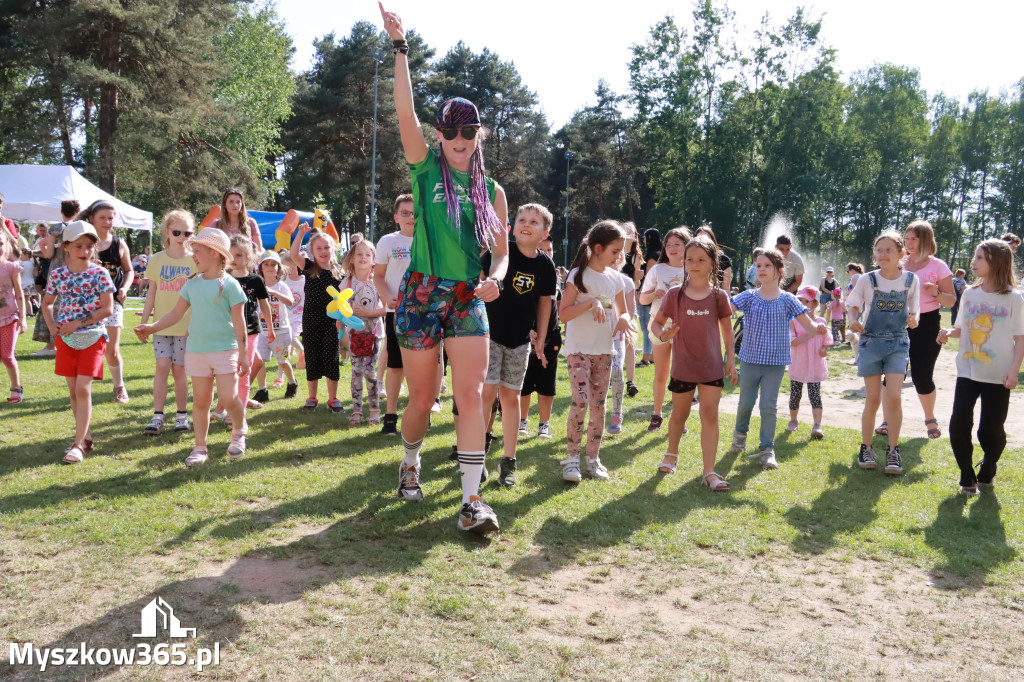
(882, 356)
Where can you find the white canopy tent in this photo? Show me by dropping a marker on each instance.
(33, 194)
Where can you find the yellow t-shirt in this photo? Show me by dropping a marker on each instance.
(167, 275)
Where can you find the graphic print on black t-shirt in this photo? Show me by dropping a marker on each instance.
(514, 313)
(255, 290)
(110, 259)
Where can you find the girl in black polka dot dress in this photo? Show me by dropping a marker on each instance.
(319, 332)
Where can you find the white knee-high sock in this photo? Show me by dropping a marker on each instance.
(471, 465)
(412, 452)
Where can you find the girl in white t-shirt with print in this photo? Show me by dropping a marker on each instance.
(594, 310)
(666, 273)
(991, 332)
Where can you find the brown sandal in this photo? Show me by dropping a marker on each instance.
(935, 432)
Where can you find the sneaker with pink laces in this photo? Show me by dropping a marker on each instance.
(120, 394)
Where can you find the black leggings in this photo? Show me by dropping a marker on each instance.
(796, 391)
(995, 403)
(924, 351)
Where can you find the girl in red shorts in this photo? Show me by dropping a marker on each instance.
(86, 300)
(458, 212)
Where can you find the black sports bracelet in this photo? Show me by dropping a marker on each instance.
(401, 46)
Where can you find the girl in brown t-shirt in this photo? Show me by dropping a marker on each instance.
(703, 309)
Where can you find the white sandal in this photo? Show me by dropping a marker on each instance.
(718, 485)
(73, 455)
(197, 457)
(667, 468)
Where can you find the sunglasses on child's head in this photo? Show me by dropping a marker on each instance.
(468, 133)
(182, 233)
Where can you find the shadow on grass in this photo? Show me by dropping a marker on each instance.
(377, 536)
(849, 504)
(268, 448)
(973, 544)
(616, 521)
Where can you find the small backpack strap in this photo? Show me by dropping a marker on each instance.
(874, 281)
(910, 279)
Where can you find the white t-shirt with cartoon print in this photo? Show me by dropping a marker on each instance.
(988, 323)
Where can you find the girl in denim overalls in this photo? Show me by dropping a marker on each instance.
(891, 301)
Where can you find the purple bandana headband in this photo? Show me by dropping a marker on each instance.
(459, 112)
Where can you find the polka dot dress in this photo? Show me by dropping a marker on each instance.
(319, 332)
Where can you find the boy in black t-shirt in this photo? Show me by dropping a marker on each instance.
(524, 303)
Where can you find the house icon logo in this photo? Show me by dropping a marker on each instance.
(158, 614)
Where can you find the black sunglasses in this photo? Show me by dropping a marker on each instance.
(468, 133)
(181, 233)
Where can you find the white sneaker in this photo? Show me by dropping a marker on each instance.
(739, 442)
(45, 352)
(768, 459)
(571, 469)
(181, 422)
(544, 431)
(596, 470)
(155, 425)
(524, 427)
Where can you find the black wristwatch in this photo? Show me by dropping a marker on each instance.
(500, 283)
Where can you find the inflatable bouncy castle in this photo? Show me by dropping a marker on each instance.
(277, 229)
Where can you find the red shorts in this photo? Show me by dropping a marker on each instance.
(85, 363)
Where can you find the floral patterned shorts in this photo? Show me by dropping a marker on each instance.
(431, 308)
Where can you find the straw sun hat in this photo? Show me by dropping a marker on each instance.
(214, 238)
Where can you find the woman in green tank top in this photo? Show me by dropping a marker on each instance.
(459, 213)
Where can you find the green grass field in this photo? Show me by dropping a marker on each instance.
(301, 563)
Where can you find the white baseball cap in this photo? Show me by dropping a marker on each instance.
(79, 228)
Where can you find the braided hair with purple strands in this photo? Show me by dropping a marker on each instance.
(459, 112)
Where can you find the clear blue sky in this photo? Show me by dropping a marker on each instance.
(562, 48)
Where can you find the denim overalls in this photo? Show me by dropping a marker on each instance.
(885, 346)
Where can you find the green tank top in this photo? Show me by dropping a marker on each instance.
(437, 249)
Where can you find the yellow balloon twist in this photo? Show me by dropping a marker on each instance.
(339, 301)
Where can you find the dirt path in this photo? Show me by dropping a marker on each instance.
(843, 400)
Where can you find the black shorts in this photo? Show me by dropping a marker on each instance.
(676, 386)
(540, 379)
(394, 350)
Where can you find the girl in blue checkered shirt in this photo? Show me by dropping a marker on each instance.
(764, 352)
